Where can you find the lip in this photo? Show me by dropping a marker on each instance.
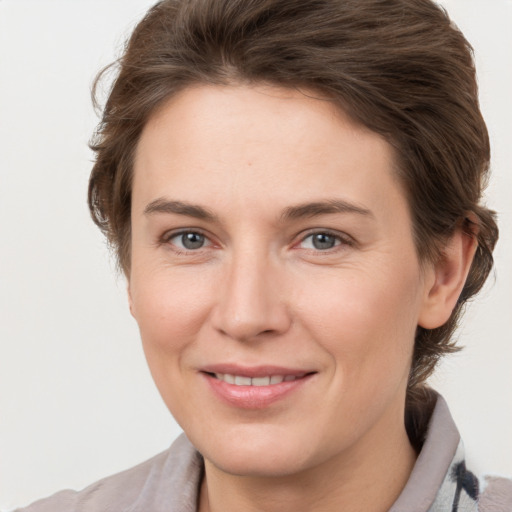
(254, 397)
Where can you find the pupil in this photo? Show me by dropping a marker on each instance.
(192, 240)
(323, 241)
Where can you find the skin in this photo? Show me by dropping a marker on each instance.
(258, 292)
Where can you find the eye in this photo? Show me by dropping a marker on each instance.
(321, 241)
(189, 240)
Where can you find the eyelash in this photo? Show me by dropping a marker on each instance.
(341, 240)
(168, 236)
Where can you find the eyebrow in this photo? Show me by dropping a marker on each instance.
(162, 205)
(317, 208)
(305, 210)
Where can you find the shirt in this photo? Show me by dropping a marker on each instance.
(170, 481)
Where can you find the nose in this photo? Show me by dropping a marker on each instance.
(251, 303)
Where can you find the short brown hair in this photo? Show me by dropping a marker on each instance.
(398, 67)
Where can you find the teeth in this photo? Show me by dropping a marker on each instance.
(240, 380)
(260, 381)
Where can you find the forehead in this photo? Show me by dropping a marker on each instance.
(270, 114)
(238, 143)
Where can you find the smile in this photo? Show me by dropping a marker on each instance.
(255, 388)
(241, 380)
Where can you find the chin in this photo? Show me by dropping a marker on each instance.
(258, 465)
(243, 454)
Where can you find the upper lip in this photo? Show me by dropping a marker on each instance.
(255, 371)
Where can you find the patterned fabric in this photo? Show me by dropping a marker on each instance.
(169, 482)
(459, 491)
(462, 491)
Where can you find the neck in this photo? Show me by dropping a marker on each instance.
(368, 477)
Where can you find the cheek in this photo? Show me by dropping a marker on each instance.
(170, 312)
(169, 308)
(366, 321)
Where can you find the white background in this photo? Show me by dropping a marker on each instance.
(76, 400)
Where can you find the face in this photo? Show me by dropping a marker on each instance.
(274, 277)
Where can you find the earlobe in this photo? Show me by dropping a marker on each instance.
(447, 279)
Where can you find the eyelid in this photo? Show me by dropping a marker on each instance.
(167, 236)
(343, 238)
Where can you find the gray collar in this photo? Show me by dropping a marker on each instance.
(439, 481)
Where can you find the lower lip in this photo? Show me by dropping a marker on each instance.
(254, 397)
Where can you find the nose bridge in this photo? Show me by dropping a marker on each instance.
(251, 301)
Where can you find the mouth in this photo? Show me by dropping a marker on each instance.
(255, 388)
(242, 380)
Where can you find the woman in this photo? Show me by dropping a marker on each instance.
(293, 191)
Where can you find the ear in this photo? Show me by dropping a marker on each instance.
(445, 280)
(130, 300)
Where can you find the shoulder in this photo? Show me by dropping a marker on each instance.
(167, 477)
(118, 490)
(495, 494)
